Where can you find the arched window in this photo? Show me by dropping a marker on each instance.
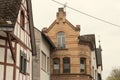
(66, 65)
(56, 65)
(22, 19)
(61, 40)
(82, 64)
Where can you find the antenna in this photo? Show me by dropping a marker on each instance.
(99, 39)
(64, 6)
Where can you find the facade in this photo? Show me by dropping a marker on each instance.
(41, 62)
(72, 58)
(17, 44)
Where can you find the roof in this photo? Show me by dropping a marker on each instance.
(88, 40)
(66, 21)
(9, 10)
(49, 41)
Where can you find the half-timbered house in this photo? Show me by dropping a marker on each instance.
(16, 40)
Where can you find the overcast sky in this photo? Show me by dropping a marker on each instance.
(44, 13)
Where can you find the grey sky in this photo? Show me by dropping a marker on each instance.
(44, 13)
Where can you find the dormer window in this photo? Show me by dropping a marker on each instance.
(22, 20)
(61, 40)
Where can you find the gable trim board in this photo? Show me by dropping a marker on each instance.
(66, 21)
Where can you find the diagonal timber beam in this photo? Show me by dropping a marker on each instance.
(10, 45)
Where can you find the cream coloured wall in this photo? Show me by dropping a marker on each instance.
(9, 57)
(2, 42)
(93, 64)
(9, 73)
(2, 54)
(42, 47)
(44, 75)
(1, 72)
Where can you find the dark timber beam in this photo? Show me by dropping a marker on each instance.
(10, 45)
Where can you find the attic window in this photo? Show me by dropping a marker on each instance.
(22, 20)
(61, 40)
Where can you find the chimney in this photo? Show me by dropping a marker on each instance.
(61, 15)
(60, 10)
(78, 27)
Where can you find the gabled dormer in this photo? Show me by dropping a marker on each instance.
(61, 30)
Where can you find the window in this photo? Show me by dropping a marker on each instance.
(23, 62)
(22, 20)
(43, 61)
(48, 64)
(82, 65)
(61, 40)
(56, 65)
(66, 65)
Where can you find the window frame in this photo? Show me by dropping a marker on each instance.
(48, 64)
(56, 71)
(22, 19)
(83, 65)
(23, 62)
(61, 40)
(45, 63)
(68, 63)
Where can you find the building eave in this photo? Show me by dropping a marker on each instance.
(6, 27)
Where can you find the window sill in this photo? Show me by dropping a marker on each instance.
(70, 74)
(61, 48)
(23, 73)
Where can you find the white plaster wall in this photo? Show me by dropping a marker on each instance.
(2, 54)
(43, 45)
(9, 57)
(94, 64)
(44, 75)
(22, 35)
(20, 77)
(1, 72)
(18, 33)
(18, 55)
(46, 49)
(2, 42)
(30, 65)
(16, 29)
(17, 74)
(9, 73)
